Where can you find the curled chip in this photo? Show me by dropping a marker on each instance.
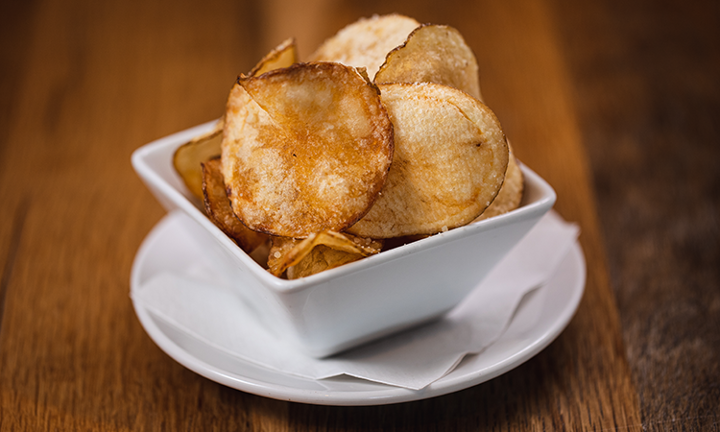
(450, 161)
(321, 258)
(282, 56)
(218, 210)
(280, 248)
(433, 53)
(318, 252)
(366, 42)
(189, 156)
(511, 192)
(305, 149)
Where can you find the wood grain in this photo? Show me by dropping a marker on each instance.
(86, 83)
(649, 100)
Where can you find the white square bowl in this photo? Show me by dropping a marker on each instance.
(340, 308)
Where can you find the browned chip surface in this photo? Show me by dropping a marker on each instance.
(218, 210)
(450, 161)
(433, 53)
(305, 149)
(366, 42)
(511, 192)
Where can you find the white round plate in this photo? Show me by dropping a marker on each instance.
(540, 318)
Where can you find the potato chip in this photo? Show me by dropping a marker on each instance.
(282, 56)
(218, 210)
(280, 247)
(286, 253)
(305, 149)
(511, 192)
(321, 258)
(433, 53)
(189, 156)
(366, 42)
(450, 161)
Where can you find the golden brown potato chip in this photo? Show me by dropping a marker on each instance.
(218, 210)
(189, 156)
(433, 53)
(282, 56)
(286, 253)
(511, 192)
(450, 161)
(280, 247)
(321, 258)
(305, 149)
(366, 42)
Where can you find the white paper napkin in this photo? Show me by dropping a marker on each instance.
(413, 359)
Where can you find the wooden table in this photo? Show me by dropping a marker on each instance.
(616, 103)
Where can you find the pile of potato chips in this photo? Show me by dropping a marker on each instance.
(379, 139)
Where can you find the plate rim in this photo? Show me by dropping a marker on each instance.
(384, 394)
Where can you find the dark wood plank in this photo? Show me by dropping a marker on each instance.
(15, 19)
(648, 99)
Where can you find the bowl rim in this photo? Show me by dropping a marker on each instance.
(143, 166)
